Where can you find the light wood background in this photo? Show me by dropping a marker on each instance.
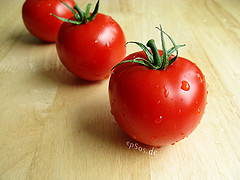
(56, 126)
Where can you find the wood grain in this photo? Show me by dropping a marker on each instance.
(56, 126)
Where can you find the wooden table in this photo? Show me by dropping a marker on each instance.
(56, 126)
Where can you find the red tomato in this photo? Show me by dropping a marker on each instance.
(37, 19)
(157, 107)
(90, 50)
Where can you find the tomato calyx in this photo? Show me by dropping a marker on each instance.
(154, 60)
(81, 17)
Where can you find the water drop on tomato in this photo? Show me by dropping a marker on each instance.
(185, 86)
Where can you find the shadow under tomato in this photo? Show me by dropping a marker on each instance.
(28, 38)
(53, 70)
(99, 126)
(22, 36)
(65, 77)
(103, 130)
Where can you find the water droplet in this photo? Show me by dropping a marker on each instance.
(185, 86)
(198, 111)
(96, 41)
(200, 78)
(108, 44)
(166, 92)
(158, 120)
(158, 102)
(153, 137)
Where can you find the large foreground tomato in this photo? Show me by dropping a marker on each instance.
(92, 46)
(39, 22)
(157, 106)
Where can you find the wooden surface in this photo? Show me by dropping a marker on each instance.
(56, 126)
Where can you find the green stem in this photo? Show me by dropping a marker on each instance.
(156, 57)
(164, 56)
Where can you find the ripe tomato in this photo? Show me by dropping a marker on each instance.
(90, 49)
(37, 19)
(157, 106)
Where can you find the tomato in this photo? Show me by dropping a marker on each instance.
(37, 19)
(90, 49)
(157, 107)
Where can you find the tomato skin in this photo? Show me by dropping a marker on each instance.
(38, 20)
(157, 107)
(90, 50)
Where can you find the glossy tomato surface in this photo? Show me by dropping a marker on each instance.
(158, 107)
(90, 50)
(38, 20)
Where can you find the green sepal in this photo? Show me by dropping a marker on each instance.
(81, 17)
(80, 12)
(77, 16)
(145, 49)
(173, 49)
(141, 61)
(94, 14)
(87, 11)
(154, 60)
(164, 57)
(67, 20)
